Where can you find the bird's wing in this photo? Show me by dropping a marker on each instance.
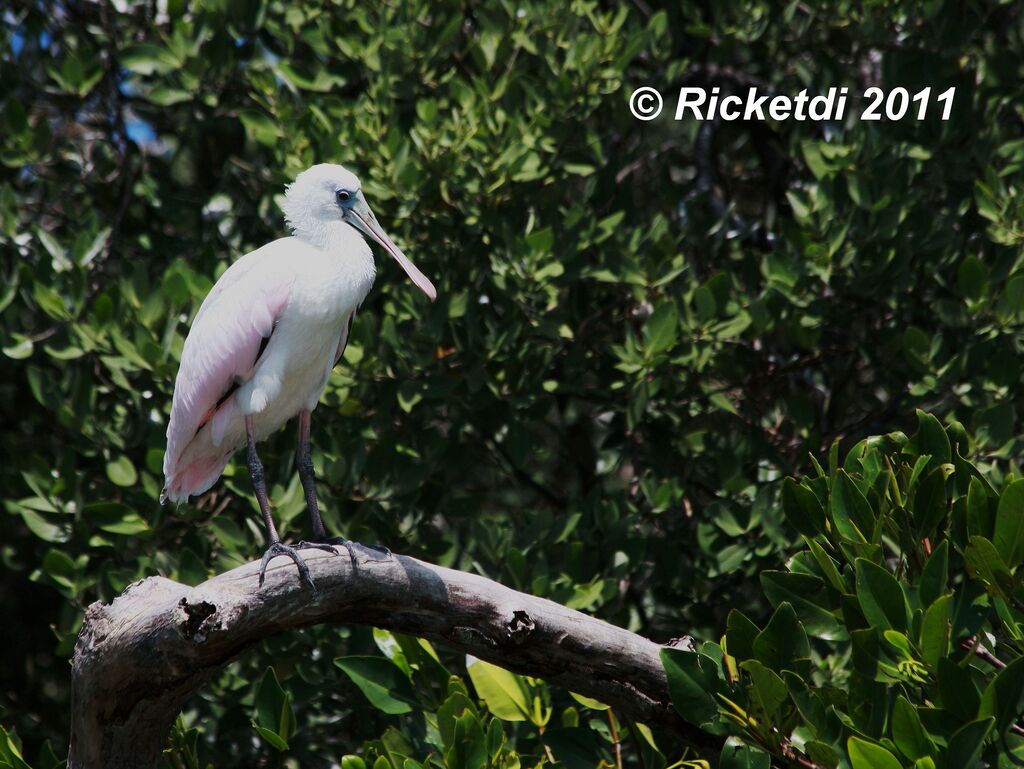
(226, 340)
(345, 332)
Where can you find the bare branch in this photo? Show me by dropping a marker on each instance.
(140, 658)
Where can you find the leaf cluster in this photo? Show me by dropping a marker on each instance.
(896, 638)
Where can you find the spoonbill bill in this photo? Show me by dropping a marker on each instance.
(265, 340)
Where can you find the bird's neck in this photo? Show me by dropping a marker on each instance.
(328, 235)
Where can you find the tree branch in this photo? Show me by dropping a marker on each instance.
(140, 658)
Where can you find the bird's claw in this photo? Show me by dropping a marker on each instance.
(351, 546)
(326, 547)
(388, 555)
(279, 548)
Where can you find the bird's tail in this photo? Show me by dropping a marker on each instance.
(195, 478)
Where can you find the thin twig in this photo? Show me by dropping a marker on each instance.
(973, 644)
(614, 727)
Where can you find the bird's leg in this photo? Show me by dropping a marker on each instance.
(304, 460)
(259, 484)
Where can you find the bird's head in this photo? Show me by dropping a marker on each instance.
(325, 194)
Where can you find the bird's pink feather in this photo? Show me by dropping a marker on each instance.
(220, 350)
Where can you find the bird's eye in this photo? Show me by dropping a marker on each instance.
(342, 195)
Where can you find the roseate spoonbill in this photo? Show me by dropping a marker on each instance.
(264, 342)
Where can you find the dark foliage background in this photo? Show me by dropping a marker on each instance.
(641, 327)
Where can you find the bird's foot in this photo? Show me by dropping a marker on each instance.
(329, 544)
(351, 546)
(279, 548)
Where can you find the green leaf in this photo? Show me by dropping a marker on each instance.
(192, 570)
(164, 96)
(935, 630)
(147, 59)
(650, 754)
(957, 691)
(10, 751)
(660, 328)
(965, 745)
(690, 685)
(455, 705)
(873, 660)
(495, 739)
(737, 755)
(286, 719)
(985, 564)
(740, 635)
(907, 731)
(972, 277)
(704, 303)
(116, 518)
(573, 748)
(935, 574)
(1008, 536)
(47, 297)
(20, 349)
(229, 534)
(505, 693)
(979, 515)
(799, 204)
(60, 568)
(811, 707)
(851, 511)
(767, 691)
(44, 529)
(1003, 698)
(381, 681)
(273, 711)
(50, 301)
(802, 508)
(469, 747)
(827, 565)
(898, 641)
(816, 163)
(868, 755)
(809, 597)
(99, 240)
(122, 472)
(880, 596)
(931, 439)
(588, 702)
(260, 126)
(272, 738)
(930, 502)
(783, 644)
(822, 754)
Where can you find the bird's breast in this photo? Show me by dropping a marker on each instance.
(292, 373)
(333, 284)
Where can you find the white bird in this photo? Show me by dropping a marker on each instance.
(265, 340)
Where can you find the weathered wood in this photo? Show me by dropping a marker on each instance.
(141, 657)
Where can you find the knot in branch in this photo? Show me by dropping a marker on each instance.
(520, 626)
(194, 619)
